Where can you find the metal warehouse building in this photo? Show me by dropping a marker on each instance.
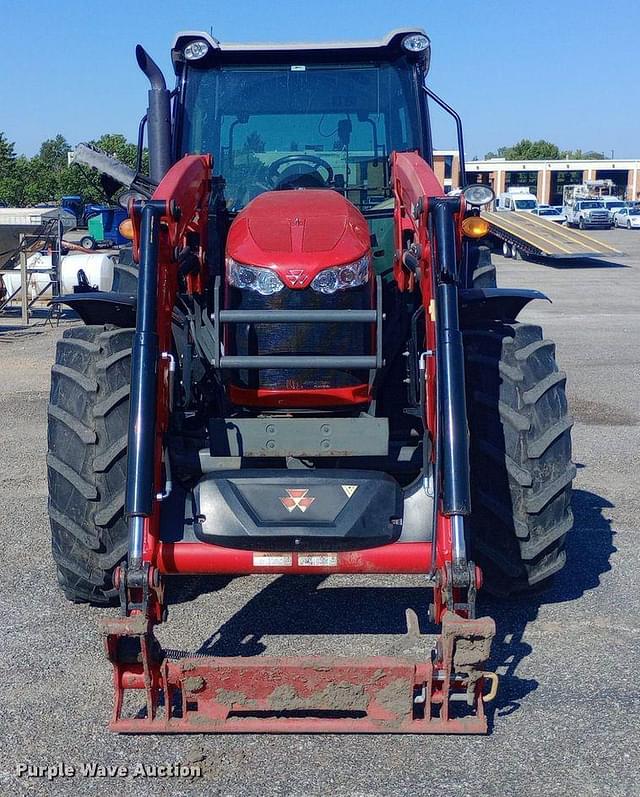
(543, 178)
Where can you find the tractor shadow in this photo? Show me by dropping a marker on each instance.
(299, 606)
(589, 547)
(577, 263)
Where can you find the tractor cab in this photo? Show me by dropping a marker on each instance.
(301, 142)
(283, 117)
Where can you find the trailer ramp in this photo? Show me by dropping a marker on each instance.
(535, 236)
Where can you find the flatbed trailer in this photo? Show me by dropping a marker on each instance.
(530, 235)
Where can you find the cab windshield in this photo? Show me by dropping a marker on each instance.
(301, 126)
(525, 204)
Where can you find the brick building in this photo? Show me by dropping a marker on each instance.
(543, 178)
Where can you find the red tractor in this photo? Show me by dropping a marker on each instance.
(306, 368)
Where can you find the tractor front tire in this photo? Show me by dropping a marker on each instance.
(520, 451)
(125, 272)
(86, 462)
(483, 272)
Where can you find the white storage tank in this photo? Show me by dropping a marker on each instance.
(98, 268)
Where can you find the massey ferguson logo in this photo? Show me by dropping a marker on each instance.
(296, 499)
(296, 276)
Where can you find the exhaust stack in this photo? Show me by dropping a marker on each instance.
(158, 116)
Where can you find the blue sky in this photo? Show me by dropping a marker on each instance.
(564, 70)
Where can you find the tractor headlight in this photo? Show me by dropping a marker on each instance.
(416, 42)
(337, 279)
(262, 280)
(196, 50)
(478, 194)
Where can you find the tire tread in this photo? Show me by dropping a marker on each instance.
(87, 434)
(520, 450)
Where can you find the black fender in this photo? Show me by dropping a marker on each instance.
(494, 304)
(102, 307)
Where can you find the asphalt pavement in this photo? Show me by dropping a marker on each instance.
(567, 717)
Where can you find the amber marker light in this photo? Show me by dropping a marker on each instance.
(475, 227)
(125, 228)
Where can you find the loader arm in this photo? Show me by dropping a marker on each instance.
(382, 694)
(428, 259)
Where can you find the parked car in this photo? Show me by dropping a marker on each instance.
(550, 214)
(613, 205)
(627, 217)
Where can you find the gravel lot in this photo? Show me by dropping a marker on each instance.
(567, 718)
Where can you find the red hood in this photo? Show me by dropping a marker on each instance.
(304, 229)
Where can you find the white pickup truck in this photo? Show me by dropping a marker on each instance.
(585, 213)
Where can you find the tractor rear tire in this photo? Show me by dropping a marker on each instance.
(520, 451)
(86, 463)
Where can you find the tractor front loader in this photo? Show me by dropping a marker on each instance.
(305, 367)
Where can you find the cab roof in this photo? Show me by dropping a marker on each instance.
(389, 47)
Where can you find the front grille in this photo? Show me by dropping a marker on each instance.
(323, 339)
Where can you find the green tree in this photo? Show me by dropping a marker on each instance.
(15, 178)
(7, 150)
(47, 169)
(578, 155)
(47, 177)
(528, 150)
(7, 170)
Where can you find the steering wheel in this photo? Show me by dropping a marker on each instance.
(295, 175)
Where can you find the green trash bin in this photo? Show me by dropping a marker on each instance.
(95, 227)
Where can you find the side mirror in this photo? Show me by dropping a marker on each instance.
(127, 196)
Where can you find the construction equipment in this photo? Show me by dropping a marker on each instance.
(590, 189)
(103, 228)
(317, 375)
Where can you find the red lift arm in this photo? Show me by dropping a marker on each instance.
(444, 692)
